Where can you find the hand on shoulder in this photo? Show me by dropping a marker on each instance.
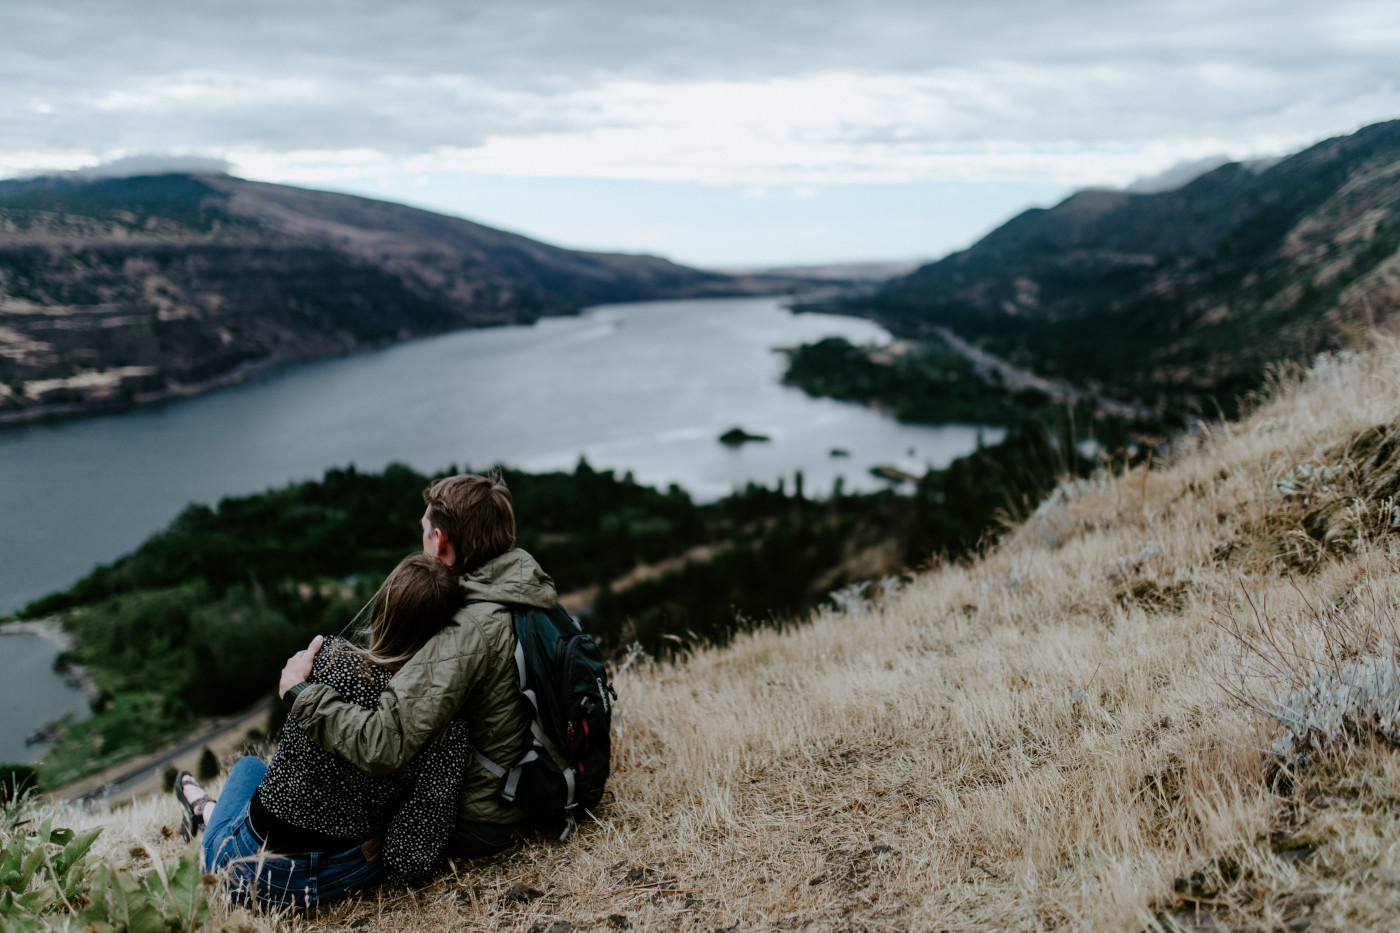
(298, 666)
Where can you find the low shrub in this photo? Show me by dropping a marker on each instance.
(1329, 676)
(48, 882)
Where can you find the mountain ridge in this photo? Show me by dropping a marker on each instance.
(120, 291)
(1182, 298)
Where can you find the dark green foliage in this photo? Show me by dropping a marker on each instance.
(123, 724)
(929, 383)
(356, 526)
(589, 526)
(956, 509)
(181, 198)
(236, 649)
(201, 617)
(212, 653)
(15, 781)
(776, 549)
(347, 524)
(782, 554)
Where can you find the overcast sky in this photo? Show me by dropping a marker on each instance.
(718, 132)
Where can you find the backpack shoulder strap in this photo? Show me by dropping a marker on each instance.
(522, 617)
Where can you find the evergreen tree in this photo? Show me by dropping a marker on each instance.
(208, 765)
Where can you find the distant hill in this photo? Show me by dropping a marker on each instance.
(122, 290)
(1181, 298)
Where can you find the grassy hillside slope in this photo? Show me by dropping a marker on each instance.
(1040, 738)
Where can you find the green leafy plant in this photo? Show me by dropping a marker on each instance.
(15, 790)
(172, 897)
(48, 882)
(42, 873)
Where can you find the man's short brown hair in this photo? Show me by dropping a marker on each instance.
(475, 514)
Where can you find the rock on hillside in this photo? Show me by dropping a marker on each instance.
(119, 290)
(1181, 297)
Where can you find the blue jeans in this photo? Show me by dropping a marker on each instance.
(232, 845)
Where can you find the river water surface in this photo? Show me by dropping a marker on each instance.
(32, 693)
(645, 387)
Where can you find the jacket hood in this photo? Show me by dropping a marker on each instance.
(514, 577)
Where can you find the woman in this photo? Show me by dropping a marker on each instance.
(308, 826)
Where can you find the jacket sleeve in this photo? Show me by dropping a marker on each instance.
(421, 827)
(419, 702)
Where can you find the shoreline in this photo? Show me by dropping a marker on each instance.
(52, 631)
(49, 629)
(39, 413)
(69, 411)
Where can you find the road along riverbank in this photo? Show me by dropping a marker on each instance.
(137, 777)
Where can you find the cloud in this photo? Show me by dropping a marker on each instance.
(1180, 174)
(752, 92)
(155, 165)
(142, 164)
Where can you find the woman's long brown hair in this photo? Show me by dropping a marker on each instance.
(417, 599)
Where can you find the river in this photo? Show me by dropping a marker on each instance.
(646, 387)
(31, 693)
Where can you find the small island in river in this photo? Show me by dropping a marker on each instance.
(737, 437)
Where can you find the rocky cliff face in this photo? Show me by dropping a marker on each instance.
(1181, 298)
(123, 290)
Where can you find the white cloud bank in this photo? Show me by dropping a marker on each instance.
(757, 92)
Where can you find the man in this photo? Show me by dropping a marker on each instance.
(467, 670)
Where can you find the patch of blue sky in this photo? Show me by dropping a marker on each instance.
(722, 225)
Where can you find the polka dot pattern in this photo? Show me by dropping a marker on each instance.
(413, 809)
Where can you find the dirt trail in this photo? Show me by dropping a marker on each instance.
(582, 600)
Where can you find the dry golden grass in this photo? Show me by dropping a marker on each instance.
(1034, 740)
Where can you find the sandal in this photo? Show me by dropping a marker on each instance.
(193, 820)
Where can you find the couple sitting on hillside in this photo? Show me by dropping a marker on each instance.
(374, 776)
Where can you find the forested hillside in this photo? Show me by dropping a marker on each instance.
(122, 290)
(1180, 299)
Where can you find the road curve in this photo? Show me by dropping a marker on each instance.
(149, 767)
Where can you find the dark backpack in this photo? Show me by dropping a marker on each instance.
(563, 678)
